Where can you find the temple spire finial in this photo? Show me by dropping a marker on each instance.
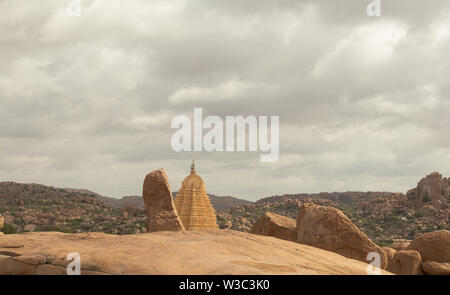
(193, 167)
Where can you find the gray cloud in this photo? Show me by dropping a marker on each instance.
(87, 101)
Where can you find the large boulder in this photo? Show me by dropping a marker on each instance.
(329, 229)
(436, 268)
(271, 224)
(390, 253)
(161, 212)
(406, 262)
(433, 246)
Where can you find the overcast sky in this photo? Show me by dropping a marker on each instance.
(87, 102)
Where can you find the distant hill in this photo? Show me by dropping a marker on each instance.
(218, 202)
(221, 203)
(348, 198)
(134, 201)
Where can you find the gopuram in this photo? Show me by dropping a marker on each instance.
(193, 204)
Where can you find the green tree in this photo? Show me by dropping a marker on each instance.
(9, 229)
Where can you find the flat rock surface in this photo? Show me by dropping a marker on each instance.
(197, 252)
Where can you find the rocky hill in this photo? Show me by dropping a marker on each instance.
(221, 203)
(349, 199)
(134, 201)
(35, 207)
(384, 217)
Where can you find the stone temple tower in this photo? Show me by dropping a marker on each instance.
(193, 205)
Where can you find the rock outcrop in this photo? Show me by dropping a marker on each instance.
(406, 262)
(161, 212)
(436, 268)
(434, 246)
(206, 252)
(430, 188)
(329, 229)
(271, 224)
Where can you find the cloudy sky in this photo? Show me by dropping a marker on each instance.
(87, 102)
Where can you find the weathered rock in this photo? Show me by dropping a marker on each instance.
(428, 189)
(397, 246)
(436, 268)
(271, 224)
(329, 229)
(406, 262)
(433, 246)
(390, 253)
(161, 212)
(206, 252)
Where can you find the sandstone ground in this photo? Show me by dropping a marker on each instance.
(197, 252)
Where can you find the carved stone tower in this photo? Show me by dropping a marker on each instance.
(193, 204)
